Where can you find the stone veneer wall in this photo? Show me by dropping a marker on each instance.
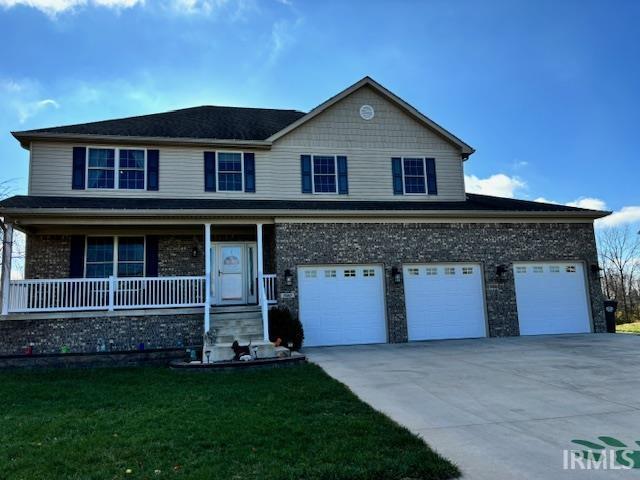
(175, 255)
(84, 334)
(47, 256)
(392, 244)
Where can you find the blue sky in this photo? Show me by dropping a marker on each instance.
(548, 92)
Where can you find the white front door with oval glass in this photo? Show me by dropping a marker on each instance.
(234, 273)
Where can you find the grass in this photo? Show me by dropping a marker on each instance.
(628, 327)
(288, 423)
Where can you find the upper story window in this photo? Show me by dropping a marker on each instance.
(118, 256)
(131, 169)
(414, 176)
(101, 168)
(324, 174)
(413, 173)
(230, 172)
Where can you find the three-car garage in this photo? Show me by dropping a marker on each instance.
(346, 304)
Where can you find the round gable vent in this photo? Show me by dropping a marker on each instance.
(366, 112)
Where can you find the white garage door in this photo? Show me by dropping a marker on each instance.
(551, 298)
(444, 301)
(342, 304)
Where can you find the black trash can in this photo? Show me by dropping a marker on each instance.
(610, 307)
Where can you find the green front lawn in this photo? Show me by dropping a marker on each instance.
(628, 327)
(287, 423)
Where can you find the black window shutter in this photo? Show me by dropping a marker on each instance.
(343, 176)
(396, 170)
(76, 257)
(249, 172)
(432, 184)
(151, 256)
(305, 168)
(79, 167)
(153, 169)
(209, 171)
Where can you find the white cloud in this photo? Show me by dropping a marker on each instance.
(236, 9)
(54, 7)
(589, 202)
(499, 185)
(624, 216)
(24, 98)
(27, 110)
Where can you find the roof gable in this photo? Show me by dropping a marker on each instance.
(464, 148)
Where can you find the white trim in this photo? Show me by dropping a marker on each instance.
(116, 239)
(335, 173)
(116, 168)
(218, 152)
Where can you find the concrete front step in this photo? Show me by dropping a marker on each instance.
(222, 351)
(242, 338)
(235, 309)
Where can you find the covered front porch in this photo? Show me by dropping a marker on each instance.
(150, 267)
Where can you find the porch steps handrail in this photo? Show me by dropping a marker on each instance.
(270, 287)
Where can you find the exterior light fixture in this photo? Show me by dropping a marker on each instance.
(596, 269)
(500, 271)
(288, 278)
(396, 275)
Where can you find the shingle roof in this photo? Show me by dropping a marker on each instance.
(210, 122)
(474, 203)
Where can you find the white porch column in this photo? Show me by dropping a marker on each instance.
(207, 273)
(262, 297)
(260, 262)
(7, 248)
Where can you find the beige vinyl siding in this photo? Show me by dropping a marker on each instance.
(369, 146)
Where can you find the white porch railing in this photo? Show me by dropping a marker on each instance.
(76, 294)
(59, 295)
(163, 292)
(270, 287)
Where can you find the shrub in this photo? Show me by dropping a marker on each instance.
(282, 324)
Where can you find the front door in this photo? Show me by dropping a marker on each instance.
(230, 266)
(234, 273)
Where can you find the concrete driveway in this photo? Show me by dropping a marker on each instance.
(502, 408)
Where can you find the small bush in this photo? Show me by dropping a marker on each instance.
(282, 324)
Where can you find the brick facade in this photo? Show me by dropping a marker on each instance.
(47, 256)
(84, 334)
(393, 244)
(297, 244)
(175, 255)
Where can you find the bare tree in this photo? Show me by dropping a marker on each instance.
(17, 253)
(620, 259)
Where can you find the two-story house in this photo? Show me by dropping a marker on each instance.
(155, 229)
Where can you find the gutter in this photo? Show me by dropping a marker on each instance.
(25, 139)
(253, 212)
